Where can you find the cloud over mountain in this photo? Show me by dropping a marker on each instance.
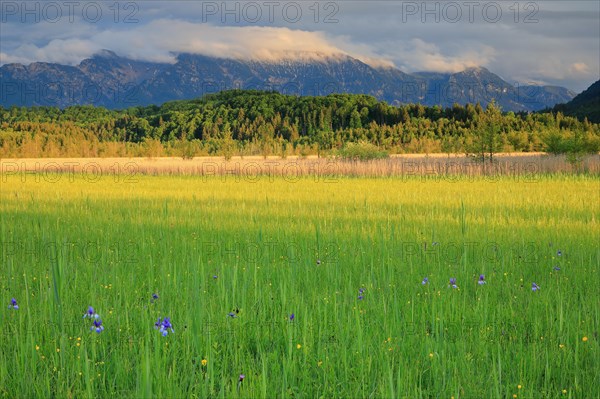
(162, 39)
(547, 42)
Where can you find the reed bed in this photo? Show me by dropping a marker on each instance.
(427, 166)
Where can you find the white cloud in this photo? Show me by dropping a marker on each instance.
(70, 51)
(419, 55)
(579, 68)
(161, 39)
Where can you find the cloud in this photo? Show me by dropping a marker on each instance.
(579, 68)
(70, 51)
(419, 55)
(162, 39)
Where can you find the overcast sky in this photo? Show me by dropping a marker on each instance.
(546, 42)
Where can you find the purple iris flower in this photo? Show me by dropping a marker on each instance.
(361, 291)
(292, 316)
(231, 314)
(91, 313)
(534, 287)
(166, 325)
(242, 376)
(481, 279)
(453, 283)
(163, 326)
(215, 277)
(154, 298)
(425, 281)
(97, 326)
(13, 304)
(556, 268)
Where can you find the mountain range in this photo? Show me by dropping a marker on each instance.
(109, 80)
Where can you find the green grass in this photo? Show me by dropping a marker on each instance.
(67, 245)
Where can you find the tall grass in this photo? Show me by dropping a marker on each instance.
(351, 163)
(265, 249)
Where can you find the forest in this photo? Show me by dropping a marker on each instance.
(247, 122)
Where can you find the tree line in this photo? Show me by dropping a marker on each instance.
(239, 122)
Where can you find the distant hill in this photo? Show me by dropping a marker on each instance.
(116, 82)
(584, 105)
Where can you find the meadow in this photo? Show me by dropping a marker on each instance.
(316, 287)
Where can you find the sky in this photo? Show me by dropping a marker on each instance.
(525, 42)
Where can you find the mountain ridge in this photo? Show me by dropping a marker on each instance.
(109, 80)
(586, 105)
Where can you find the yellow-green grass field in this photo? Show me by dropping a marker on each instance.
(230, 260)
